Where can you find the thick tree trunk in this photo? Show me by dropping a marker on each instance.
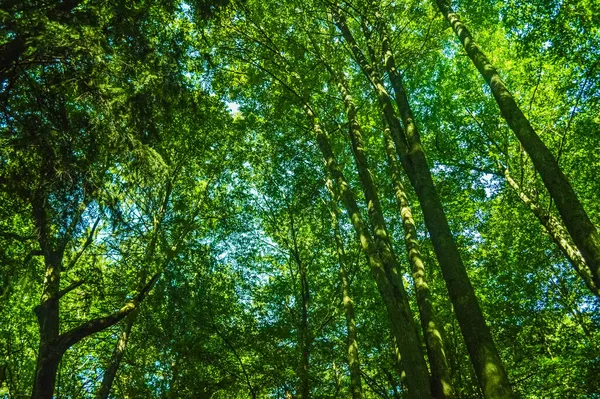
(584, 233)
(49, 355)
(46, 371)
(484, 355)
(558, 235)
(353, 354)
(432, 330)
(399, 318)
(47, 312)
(417, 375)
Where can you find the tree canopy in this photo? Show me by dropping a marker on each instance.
(300, 199)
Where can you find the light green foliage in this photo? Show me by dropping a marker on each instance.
(114, 120)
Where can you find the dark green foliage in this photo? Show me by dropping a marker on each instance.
(170, 139)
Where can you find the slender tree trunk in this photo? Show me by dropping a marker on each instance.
(399, 318)
(558, 235)
(353, 354)
(115, 360)
(417, 375)
(584, 233)
(480, 344)
(484, 355)
(432, 330)
(304, 338)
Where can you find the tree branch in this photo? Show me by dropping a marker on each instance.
(70, 338)
(87, 243)
(70, 288)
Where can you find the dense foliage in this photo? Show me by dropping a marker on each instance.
(295, 199)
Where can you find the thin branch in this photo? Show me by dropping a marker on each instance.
(85, 246)
(70, 288)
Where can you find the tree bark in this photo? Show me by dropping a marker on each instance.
(576, 220)
(482, 350)
(478, 338)
(353, 353)
(399, 318)
(432, 330)
(47, 311)
(418, 379)
(49, 355)
(115, 360)
(304, 338)
(558, 235)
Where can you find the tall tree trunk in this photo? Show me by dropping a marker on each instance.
(47, 312)
(49, 354)
(480, 344)
(417, 375)
(432, 330)
(558, 235)
(584, 233)
(399, 318)
(484, 355)
(115, 360)
(353, 354)
(304, 338)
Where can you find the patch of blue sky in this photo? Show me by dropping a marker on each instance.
(233, 107)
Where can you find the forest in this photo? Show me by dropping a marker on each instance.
(366, 199)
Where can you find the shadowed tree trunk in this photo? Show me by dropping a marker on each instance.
(558, 234)
(304, 338)
(584, 233)
(53, 346)
(353, 354)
